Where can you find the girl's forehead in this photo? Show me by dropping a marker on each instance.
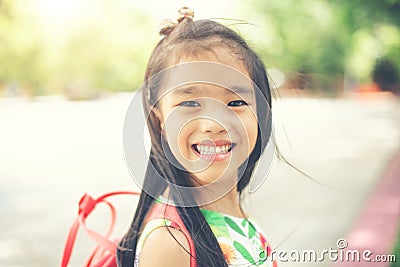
(219, 54)
(210, 90)
(196, 77)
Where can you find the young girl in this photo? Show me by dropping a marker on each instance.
(208, 102)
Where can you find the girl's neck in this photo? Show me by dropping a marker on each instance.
(228, 204)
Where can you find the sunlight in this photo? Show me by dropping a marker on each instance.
(203, 9)
(59, 13)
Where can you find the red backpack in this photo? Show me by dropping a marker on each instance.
(104, 255)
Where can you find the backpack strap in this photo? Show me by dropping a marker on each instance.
(86, 206)
(169, 212)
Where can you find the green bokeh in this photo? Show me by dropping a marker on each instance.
(316, 43)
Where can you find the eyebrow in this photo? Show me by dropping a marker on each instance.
(193, 90)
(186, 90)
(240, 90)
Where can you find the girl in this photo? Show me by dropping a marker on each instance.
(208, 102)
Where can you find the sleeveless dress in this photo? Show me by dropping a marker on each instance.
(241, 239)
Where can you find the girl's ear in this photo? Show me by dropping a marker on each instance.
(157, 113)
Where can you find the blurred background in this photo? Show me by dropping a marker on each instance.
(69, 69)
(82, 49)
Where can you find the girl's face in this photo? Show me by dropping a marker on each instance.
(210, 129)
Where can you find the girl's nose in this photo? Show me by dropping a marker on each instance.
(212, 126)
(217, 118)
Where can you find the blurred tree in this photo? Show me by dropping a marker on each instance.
(108, 53)
(373, 28)
(84, 47)
(20, 50)
(317, 41)
(104, 45)
(386, 75)
(358, 14)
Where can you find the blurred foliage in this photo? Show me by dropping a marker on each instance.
(319, 43)
(386, 75)
(47, 49)
(82, 48)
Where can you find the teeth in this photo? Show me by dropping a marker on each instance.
(213, 150)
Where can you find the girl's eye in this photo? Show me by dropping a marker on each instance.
(237, 103)
(189, 103)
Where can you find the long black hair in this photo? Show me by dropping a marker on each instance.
(189, 36)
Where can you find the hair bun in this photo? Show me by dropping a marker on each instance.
(185, 12)
(166, 27)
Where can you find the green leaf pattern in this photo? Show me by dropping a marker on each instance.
(240, 235)
(252, 230)
(233, 225)
(218, 226)
(243, 251)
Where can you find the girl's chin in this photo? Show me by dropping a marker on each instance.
(216, 177)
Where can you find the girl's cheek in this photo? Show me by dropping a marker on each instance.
(178, 140)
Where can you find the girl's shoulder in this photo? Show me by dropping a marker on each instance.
(163, 235)
(162, 245)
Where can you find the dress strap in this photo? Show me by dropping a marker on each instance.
(169, 212)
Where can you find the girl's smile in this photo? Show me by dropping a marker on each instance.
(213, 150)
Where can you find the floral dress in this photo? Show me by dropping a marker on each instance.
(240, 239)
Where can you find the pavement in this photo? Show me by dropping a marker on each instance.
(52, 151)
(376, 230)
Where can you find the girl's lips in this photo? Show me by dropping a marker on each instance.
(213, 150)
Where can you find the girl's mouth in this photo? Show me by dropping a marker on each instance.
(214, 151)
(204, 149)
